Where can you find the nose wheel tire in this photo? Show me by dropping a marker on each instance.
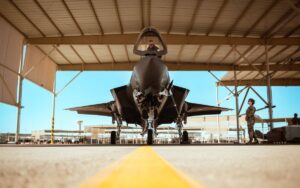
(150, 137)
(185, 137)
(113, 137)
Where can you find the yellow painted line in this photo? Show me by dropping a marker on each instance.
(142, 168)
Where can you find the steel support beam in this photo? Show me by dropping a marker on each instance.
(55, 94)
(244, 99)
(266, 103)
(118, 16)
(219, 81)
(169, 38)
(96, 17)
(48, 17)
(20, 93)
(26, 17)
(195, 54)
(218, 116)
(195, 13)
(72, 16)
(149, 12)
(53, 111)
(186, 66)
(264, 15)
(275, 82)
(240, 17)
(19, 109)
(215, 20)
(269, 89)
(94, 53)
(174, 4)
(142, 14)
(68, 83)
(236, 95)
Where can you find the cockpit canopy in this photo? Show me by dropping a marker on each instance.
(150, 43)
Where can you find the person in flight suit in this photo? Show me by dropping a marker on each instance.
(152, 48)
(250, 118)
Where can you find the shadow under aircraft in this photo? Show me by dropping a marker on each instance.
(150, 99)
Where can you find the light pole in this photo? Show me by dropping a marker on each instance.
(79, 122)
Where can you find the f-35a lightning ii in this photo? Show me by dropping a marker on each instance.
(150, 99)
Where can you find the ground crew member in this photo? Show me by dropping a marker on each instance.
(296, 120)
(250, 118)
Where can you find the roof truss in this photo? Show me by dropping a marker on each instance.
(262, 82)
(169, 38)
(184, 66)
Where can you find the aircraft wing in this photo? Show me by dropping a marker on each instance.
(104, 109)
(194, 109)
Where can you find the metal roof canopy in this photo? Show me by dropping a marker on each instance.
(254, 78)
(201, 35)
(260, 37)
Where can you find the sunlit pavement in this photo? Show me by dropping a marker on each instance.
(173, 166)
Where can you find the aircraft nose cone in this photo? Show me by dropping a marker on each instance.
(151, 71)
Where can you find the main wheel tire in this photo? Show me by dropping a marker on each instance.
(185, 137)
(150, 137)
(113, 137)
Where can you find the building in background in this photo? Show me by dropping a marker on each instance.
(202, 129)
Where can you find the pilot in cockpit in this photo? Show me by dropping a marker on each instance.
(152, 46)
(150, 43)
(152, 49)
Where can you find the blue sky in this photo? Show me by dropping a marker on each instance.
(94, 87)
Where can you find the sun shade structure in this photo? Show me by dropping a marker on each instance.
(255, 78)
(201, 35)
(256, 40)
(10, 60)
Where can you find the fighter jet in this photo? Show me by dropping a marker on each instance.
(150, 99)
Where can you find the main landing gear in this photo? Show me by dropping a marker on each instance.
(113, 137)
(150, 137)
(183, 136)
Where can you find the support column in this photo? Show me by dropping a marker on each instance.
(218, 117)
(53, 110)
(236, 95)
(269, 89)
(20, 92)
(19, 108)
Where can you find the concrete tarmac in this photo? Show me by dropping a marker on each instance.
(37, 167)
(211, 166)
(238, 166)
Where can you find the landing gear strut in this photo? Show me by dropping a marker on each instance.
(179, 127)
(151, 128)
(183, 136)
(115, 135)
(150, 137)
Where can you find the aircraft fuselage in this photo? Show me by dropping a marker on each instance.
(150, 76)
